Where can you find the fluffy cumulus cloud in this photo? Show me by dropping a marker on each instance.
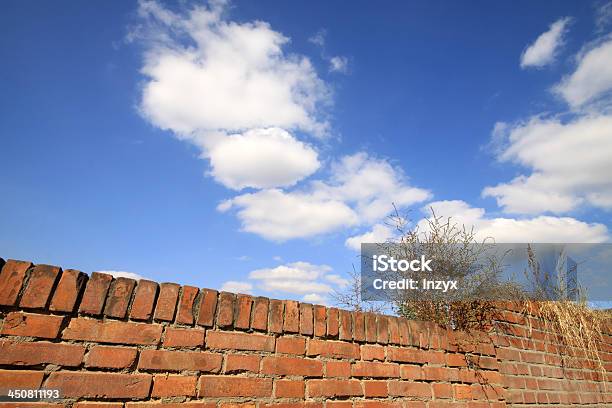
(569, 165)
(361, 190)
(544, 49)
(237, 287)
(542, 229)
(378, 233)
(302, 280)
(234, 164)
(225, 86)
(592, 79)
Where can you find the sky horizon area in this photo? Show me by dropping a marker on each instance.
(253, 146)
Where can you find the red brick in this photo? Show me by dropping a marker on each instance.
(333, 388)
(441, 373)
(208, 307)
(275, 320)
(244, 303)
(68, 289)
(292, 366)
(189, 404)
(292, 317)
(463, 391)
(225, 314)
(32, 325)
(411, 372)
(306, 319)
(320, 320)
(406, 355)
(144, 300)
(336, 349)
(374, 388)
(11, 280)
(184, 315)
(371, 352)
(370, 328)
(291, 345)
(242, 362)
(95, 404)
(113, 332)
(166, 301)
(375, 370)
(239, 341)
(28, 353)
(165, 385)
(404, 331)
(100, 385)
(441, 390)
(394, 335)
(177, 337)
(119, 296)
(383, 329)
(332, 322)
(260, 314)
(40, 285)
(95, 293)
(409, 389)
(346, 325)
(338, 404)
(337, 369)
(456, 360)
(359, 326)
(110, 357)
(20, 379)
(228, 386)
(179, 360)
(289, 389)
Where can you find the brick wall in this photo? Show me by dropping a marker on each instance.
(116, 343)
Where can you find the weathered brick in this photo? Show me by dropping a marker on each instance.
(332, 322)
(409, 389)
(260, 314)
(275, 320)
(242, 318)
(320, 321)
(333, 388)
(242, 362)
(370, 328)
(411, 372)
(383, 329)
(406, 355)
(337, 369)
(346, 325)
(225, 314)
(112, 332)
(31, 325)
(228, 386)
(119, 296)
(179, 360)
(20, 379)
(289, 389)
(291, 345)
(96, 404)
(144, 300)
(111, 357)
(11, 280)
(375, 369)
(442, 390)
(441, 373)
(375, 388)
(335, 349)
(404, 331)
(208, 307)
(166, 385)
(37, 293)
(68, 289)
(306, 319)
(187, 404)
(359, 326)
(100, 385)
(239, 341)
(292, 317)
(292, 366)
(456, 360)
(30, 353)
(166, 301)
(394, 335)
(95, 293)
(178, 337)
(184, 315)
(372, 352)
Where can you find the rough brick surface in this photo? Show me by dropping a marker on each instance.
(31, 325)
(208, 307)
(11, 280)
(184, 314)
(226, 386)
(38, 290)
(111, 357)
(95, 293)
(144, 300)
(68, 289)
(119, 296)
(112, 332)
(166, 301)
(180, 337)
(179, 360)
(29, 353)
(100, 385)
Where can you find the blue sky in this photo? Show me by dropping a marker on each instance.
(258, 143)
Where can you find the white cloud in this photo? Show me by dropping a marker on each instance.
(603, 16)
(237, 287)
(315, 298)
(569, 162)
(337, 280)
(280, 159)
(319, 38)
(338, 64)
(592, 78)
(543, 51)
(123, 274)
(378, 233)
(360, 190)
(541, 229)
